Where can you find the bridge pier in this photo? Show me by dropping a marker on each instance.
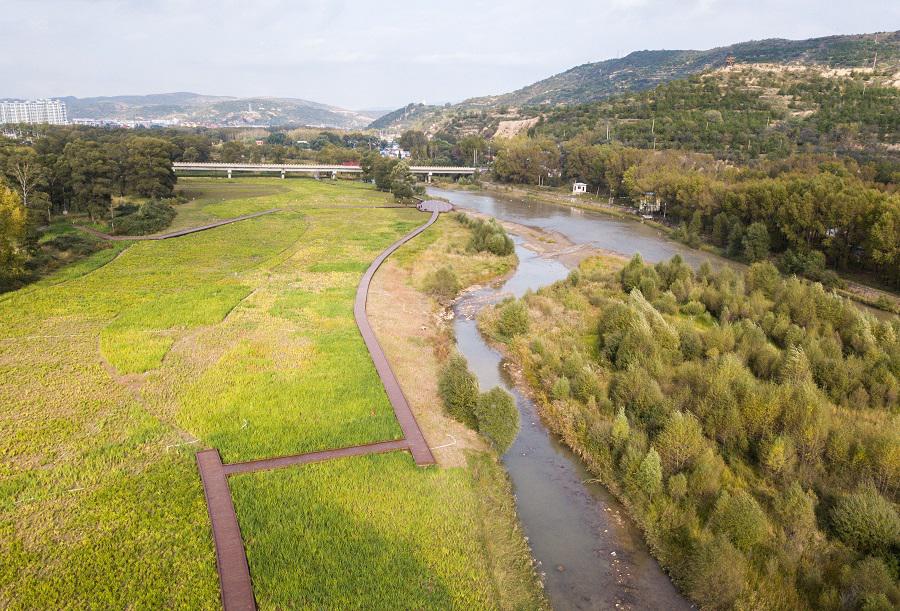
(334, 175)
(229, 172)
(282, 174)
(429, 177)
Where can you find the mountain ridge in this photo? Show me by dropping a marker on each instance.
(190, 107)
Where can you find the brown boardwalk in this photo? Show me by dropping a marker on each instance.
(303, 459)
(418, 447)
(234, 573)
(180, 232)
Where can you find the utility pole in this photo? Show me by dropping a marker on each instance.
(653, 132)
(607, 130)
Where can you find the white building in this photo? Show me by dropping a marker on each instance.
(579, 187)
(33, 111)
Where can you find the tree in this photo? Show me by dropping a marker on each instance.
(27, 173)
(403, 182)
(416, 142)
(866, 521)
(756, 242)
(649, 474)
(526, 160)
(620, 429)
(738, 516)
(886, 241)
(498, 418)
(717, 575)
(149, 170)
(512, 319)
(680, 441)
(458, 388)
(12, 235)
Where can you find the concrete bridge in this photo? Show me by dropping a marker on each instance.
(314, 169)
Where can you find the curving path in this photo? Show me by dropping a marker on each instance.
(418, 447)
(175, 234)
(231, 559)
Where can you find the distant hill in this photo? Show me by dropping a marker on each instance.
(644, 70)
(219, 110)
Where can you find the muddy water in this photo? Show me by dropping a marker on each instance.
(591, 556)
(622, 236)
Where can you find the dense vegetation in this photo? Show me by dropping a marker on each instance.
(749, 421)
(492, 413)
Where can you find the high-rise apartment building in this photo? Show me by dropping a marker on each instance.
(33, 111)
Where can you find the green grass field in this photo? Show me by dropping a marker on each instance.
(115, 370)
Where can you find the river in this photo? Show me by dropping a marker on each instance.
(589, 552)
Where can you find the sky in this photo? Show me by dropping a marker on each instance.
(365, 54)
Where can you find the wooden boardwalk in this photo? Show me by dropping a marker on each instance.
(175, 234)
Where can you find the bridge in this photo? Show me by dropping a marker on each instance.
(314, 169)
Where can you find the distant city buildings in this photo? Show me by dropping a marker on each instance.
(33, 111)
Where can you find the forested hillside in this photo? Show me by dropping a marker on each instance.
(743, 112)
(747, 420)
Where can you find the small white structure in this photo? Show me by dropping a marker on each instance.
(579, 187)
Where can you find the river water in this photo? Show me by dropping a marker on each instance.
(591, 555)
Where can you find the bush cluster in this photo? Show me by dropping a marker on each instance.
(147, 218)
(487, 235)
(493, 413)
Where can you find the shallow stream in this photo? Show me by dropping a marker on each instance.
(590, 554)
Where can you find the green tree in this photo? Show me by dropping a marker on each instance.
(498, 418)
(756, 242)
(717, 575)
(12, 236)
(458, 388)
(403, 182)
(149, 167)
(866, 521)
(680, 441)
(649, 475)
(416, 142)
(620, 428)
(738, 516)
(512, 319)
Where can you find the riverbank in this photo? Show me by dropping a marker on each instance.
(866, 294)
(416, 332)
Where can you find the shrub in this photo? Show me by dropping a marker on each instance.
(150, 217)
(740, 518)
(443, 283)
(866, 521)
(513, 319)
(717, 575)
(458, 388)
(678, 486)
(498, 418)
(649, 474)
(680, 441)
(487, 235)
(561, 388)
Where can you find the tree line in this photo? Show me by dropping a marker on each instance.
(812, 210)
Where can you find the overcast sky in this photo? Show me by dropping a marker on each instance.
(372, 53)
